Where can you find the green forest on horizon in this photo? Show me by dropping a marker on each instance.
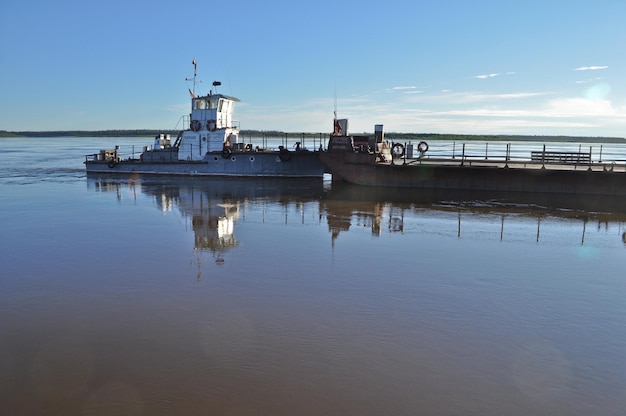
(259, 133)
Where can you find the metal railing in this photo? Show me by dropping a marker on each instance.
(595, 156)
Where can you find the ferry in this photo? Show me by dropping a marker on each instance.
(374, 161)
(211, 146)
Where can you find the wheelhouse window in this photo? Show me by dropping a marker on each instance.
(200, 104)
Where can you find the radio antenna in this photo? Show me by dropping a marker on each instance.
(335, 101)
(195, 67)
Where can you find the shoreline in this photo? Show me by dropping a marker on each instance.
(389, 136)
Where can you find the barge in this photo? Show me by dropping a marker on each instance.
(374, 161)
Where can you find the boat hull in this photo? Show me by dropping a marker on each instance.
(303, 164)
(362, 169)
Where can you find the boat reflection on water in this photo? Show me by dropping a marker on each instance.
(214, 207)
(212, 221)
(386, 208)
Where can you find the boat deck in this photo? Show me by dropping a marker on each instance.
(512, 164)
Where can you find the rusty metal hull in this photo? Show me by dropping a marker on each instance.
(362, 169)
(303, 164)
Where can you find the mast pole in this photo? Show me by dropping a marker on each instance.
(195, 67)
(335, 112)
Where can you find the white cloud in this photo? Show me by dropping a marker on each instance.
(505, 96)
(449, 97)
(590, 68)
(513, 113)
(587, 81)
(486, 76)
(470, 112)
(403, 88)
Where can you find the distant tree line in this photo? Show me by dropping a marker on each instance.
(406, 137)
(391, 136)
(141, 133)
(84, 133)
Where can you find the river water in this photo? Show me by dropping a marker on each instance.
(155, 296)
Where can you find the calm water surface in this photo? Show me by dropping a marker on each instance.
(158, 296)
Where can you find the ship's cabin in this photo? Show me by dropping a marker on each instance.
(212, 112)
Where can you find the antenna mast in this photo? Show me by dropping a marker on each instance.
(335, 102)
(195, 67)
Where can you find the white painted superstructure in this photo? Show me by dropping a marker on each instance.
(211, 127)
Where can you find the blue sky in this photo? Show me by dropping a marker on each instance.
(469, 67)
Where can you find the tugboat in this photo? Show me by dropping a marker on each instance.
(211, 146)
